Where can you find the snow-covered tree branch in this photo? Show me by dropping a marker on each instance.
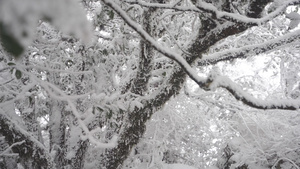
(230, 86)
(250, 50)
(136, 84)
(28, 148)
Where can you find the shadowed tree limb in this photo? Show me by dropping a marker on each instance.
(208, 35)
(31, 149)
(247, 99)
(250, 50)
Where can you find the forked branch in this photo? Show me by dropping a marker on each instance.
(218, 81)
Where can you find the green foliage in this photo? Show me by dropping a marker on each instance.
(105, 52)
(11, 64)
(109, 114)
(18, 74)
(99, 109)
(111, 14)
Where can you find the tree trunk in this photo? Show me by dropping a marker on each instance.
(57, 133)
(207, 36)
(27, 146)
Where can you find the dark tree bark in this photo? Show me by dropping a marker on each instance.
(78, 161)
(116, 156)
(134, 122)
(29, 149)
(208, 35)
(57, 133)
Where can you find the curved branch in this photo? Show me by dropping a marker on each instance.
(168, 53)
(252, 19)
(247, 99)
(201, 6)
(204, 83)
(208, 35)
(283, 158)
(250, 50)
(130, 134)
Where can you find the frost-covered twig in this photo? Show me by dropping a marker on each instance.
(8, 81)
(274, 166)
(164, 6)
(174, 40)
(246, 98)
(57, 70)
(5, 68)
(87, 133)
(18, 94)
(11, 146)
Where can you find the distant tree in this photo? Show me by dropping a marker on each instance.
(81, 80)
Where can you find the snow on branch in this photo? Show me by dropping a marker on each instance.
(285, 159)
(217, 81)
(202, 6)
(246, 98)
(250, 50)
(27, 144)
(163, 50)
(234, 17)
(45, 68)
(164, 6)
(11, 146)
(56, 93)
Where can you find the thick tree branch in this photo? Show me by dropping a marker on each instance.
(185, 65)
(207, 38)
(250, 50)
(174, 56)
(247, 99)
(31, 149)
(251, 18)
(208, 35)
(131, 133)
(139, 84)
